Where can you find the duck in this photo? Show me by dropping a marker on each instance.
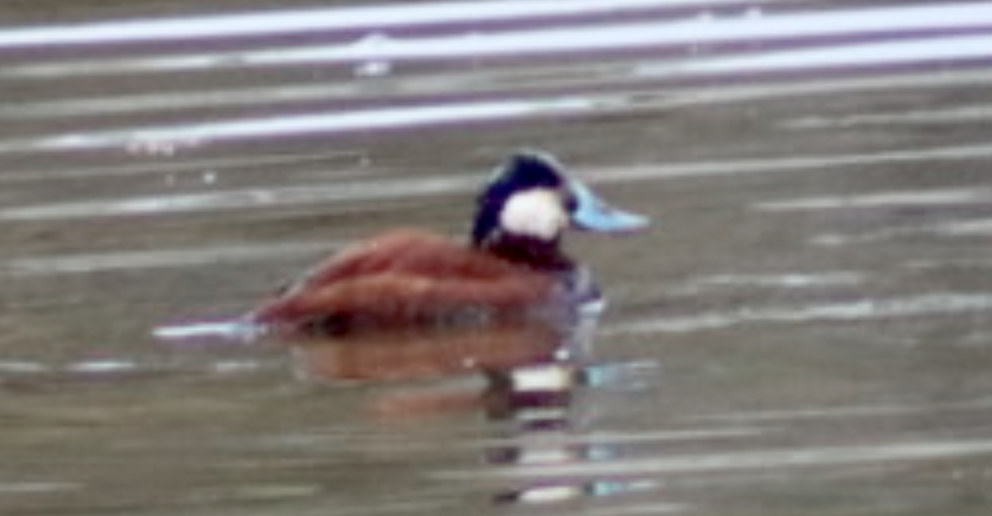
(511, 267)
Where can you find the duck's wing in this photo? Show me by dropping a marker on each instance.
(403, 298)
(404, 276)
(402, 251)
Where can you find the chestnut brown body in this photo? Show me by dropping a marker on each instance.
(408, 277)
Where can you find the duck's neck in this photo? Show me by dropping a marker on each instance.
(530, 252)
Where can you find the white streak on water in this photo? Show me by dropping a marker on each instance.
(99, 367)
(919, 198)
(854, 162)
(694, 435)
(781, 281)
(955, 115)
(863, 310)
(336, 122)
(325, 20)
(41, 487)
(22, 367)
(836, 456)
(700, 31)
(974, 228)
(640, 509)
(228, 331)
(962, 262)
(845, 413)
(334, 195)
(175, 173)
(184, 100)
(703, 30)
(141, 260)
(849, 57)
(833, 86)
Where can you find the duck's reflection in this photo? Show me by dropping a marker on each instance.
(534, 376)
(554, 416)
(419, 354)
(503, 368)
(428, 371)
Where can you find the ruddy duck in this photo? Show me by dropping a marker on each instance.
(513, 264)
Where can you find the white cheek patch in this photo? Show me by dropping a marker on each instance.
(536, 213)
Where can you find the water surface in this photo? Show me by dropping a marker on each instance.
(807, 327)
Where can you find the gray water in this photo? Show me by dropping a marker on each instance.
(805, 329)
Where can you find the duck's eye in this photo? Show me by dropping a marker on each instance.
(570, 201)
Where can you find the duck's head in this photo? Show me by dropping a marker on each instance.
(532, 198)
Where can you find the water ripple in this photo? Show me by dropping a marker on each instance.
(602, 37)
(861, 310)
(903, 199)
(847, 412)
(774, 281)
(929, 116)
(192, 135)
(965, 228)
(836, 456)
(955, 49)
(323, 20)
(340, 195)
(46, 488)
(161, 258)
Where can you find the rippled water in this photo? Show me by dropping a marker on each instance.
(806, 329)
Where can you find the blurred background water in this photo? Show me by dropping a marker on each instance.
(807, 327)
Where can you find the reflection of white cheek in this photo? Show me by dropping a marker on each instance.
(537, 214)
